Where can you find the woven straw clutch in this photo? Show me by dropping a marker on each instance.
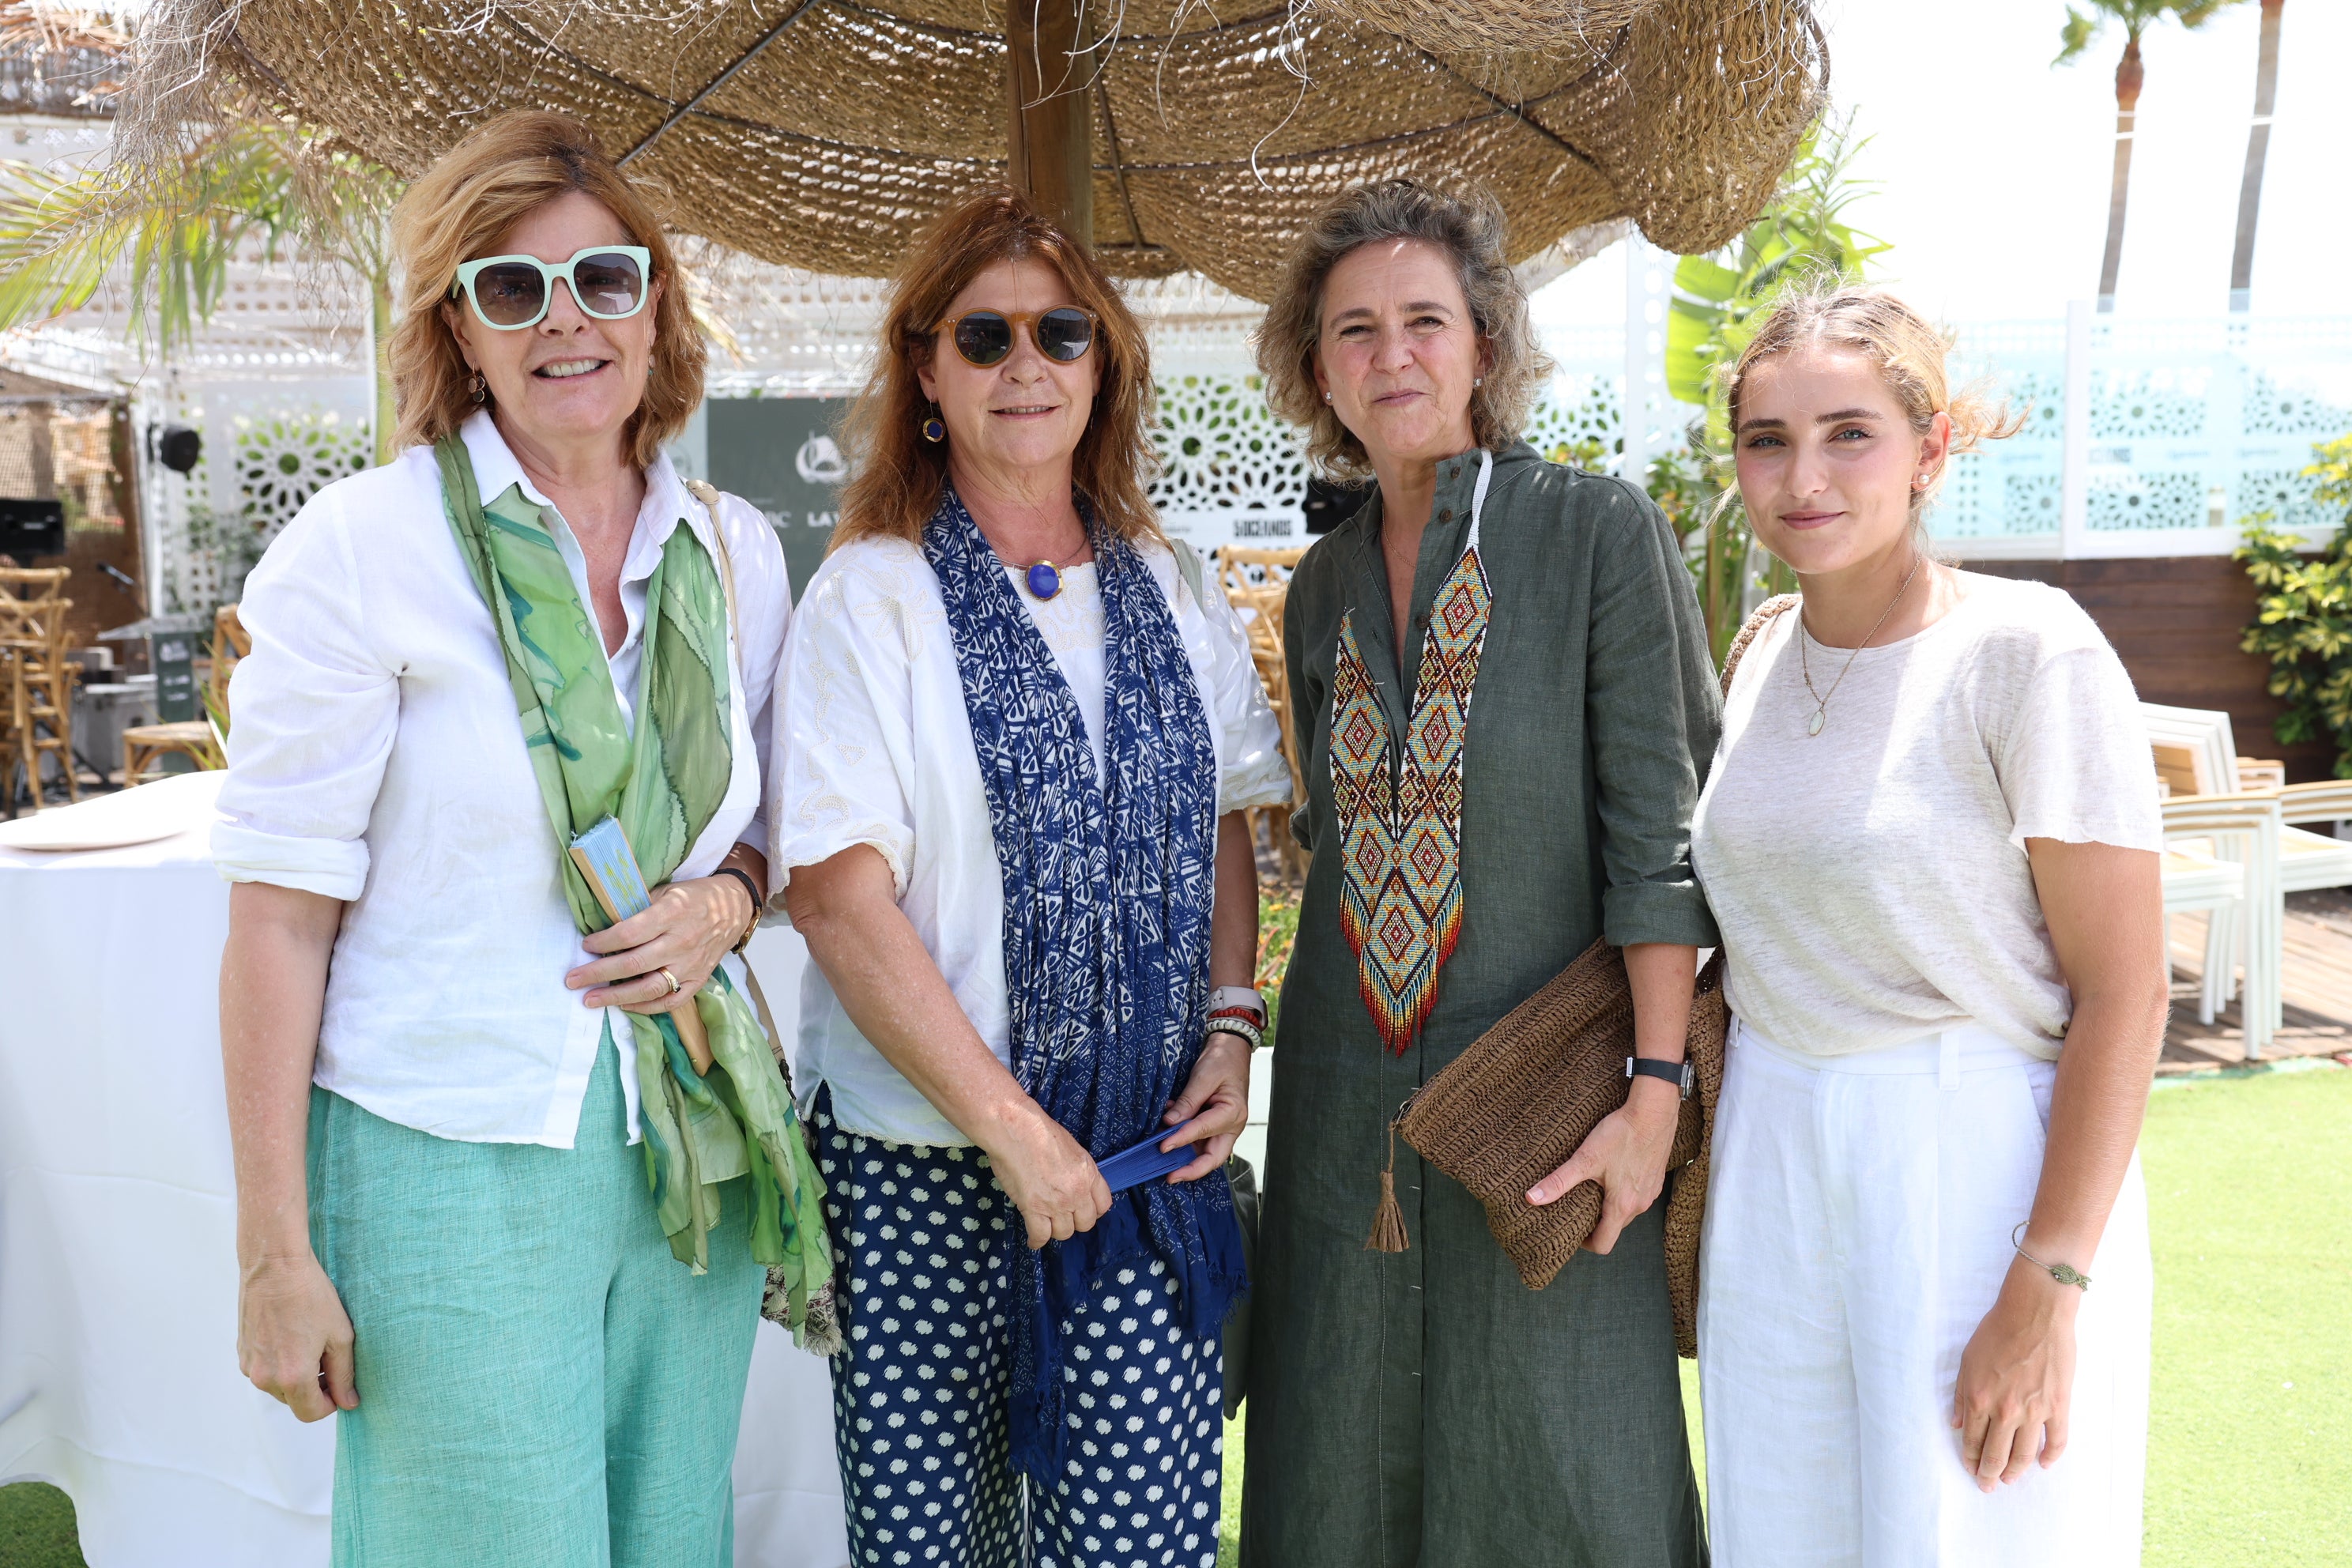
(1511, 1109)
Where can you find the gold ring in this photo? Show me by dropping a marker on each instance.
(674, 986)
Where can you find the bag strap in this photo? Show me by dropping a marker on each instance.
(1189, 566)
(707, 493)
(1764, 616)
(768, 1022)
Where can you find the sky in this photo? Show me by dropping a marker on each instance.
(1993, 166)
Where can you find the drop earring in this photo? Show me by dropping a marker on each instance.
(933, 431)
(477, 388)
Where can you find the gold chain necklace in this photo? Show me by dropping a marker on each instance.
(1805, 664)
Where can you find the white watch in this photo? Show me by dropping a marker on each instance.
(1226, 997)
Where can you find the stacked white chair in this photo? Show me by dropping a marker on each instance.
(2255, 829)
(2308, 860)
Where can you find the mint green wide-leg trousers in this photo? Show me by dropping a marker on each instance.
(541, 1383)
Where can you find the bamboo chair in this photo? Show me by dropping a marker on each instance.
(40, 677)
(145, 746)
(1258, 584)
(2242, 830)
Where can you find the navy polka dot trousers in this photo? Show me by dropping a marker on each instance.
(922, 1241)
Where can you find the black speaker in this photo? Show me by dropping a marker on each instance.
(177, 448)
(1328, 505)
(30, 528)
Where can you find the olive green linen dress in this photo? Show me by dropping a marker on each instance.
(1425, 1409)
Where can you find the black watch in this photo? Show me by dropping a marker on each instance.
(758, 906)
(1675, 1073)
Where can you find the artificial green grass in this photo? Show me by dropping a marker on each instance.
(2250, 1440)
(2250, 1430)
(1229, 1527)
(37, 1528)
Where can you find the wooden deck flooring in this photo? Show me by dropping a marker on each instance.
(2318, 964)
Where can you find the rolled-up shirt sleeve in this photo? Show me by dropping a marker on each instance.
(845, 746)
(1651, 717)
(312, 712)
(1251, 771)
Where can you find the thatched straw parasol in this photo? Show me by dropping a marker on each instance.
(820, 132)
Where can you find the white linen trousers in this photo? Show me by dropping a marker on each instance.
(1858, 1219)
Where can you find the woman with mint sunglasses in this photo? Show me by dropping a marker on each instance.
(512, 1171)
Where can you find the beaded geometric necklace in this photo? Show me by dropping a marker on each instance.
(1400, 829)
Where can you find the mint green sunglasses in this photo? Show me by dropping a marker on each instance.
(512, 292)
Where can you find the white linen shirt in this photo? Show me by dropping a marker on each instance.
(874, 746)
(375, 756)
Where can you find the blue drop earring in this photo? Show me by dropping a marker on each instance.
(933, 431)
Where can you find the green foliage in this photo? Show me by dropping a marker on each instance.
(1720, 303)
(2303, 613)
(174, 228)
(1586, 452)
(1720, 300)
(2080, 28)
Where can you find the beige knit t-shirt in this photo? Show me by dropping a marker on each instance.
(1871, 881)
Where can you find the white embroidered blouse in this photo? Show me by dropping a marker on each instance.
(874, 746)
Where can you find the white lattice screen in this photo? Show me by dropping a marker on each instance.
(2193, 423)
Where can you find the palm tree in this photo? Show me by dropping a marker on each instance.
(2137, 18)
(174, 225)
(2258, 148)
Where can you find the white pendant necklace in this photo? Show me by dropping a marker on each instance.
(1805, 664)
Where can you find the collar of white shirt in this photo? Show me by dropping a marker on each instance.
(667, 502)
(666, 505)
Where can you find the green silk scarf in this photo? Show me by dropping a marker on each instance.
(662, 784)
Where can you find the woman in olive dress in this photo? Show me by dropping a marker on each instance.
(1488, 794)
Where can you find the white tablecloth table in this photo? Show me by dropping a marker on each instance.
(118, 1269)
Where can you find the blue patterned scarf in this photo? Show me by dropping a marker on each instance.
(1106, 890)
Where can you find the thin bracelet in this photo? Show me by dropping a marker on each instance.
(2065, 1273)
(751, 888)
(1240, 1028)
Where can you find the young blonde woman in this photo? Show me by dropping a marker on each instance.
(1930, 837)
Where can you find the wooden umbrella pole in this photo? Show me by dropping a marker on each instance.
(1051, 122)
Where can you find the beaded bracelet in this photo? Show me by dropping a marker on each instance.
(1239, 1024)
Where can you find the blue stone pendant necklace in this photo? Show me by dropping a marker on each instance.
(1045, 579)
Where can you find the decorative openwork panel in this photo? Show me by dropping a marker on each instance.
(1578, 422)
(267, 448)
(283, 461)
(1229, 468)
(2196, 425)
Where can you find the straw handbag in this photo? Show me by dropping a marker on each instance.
(1511, 1109)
